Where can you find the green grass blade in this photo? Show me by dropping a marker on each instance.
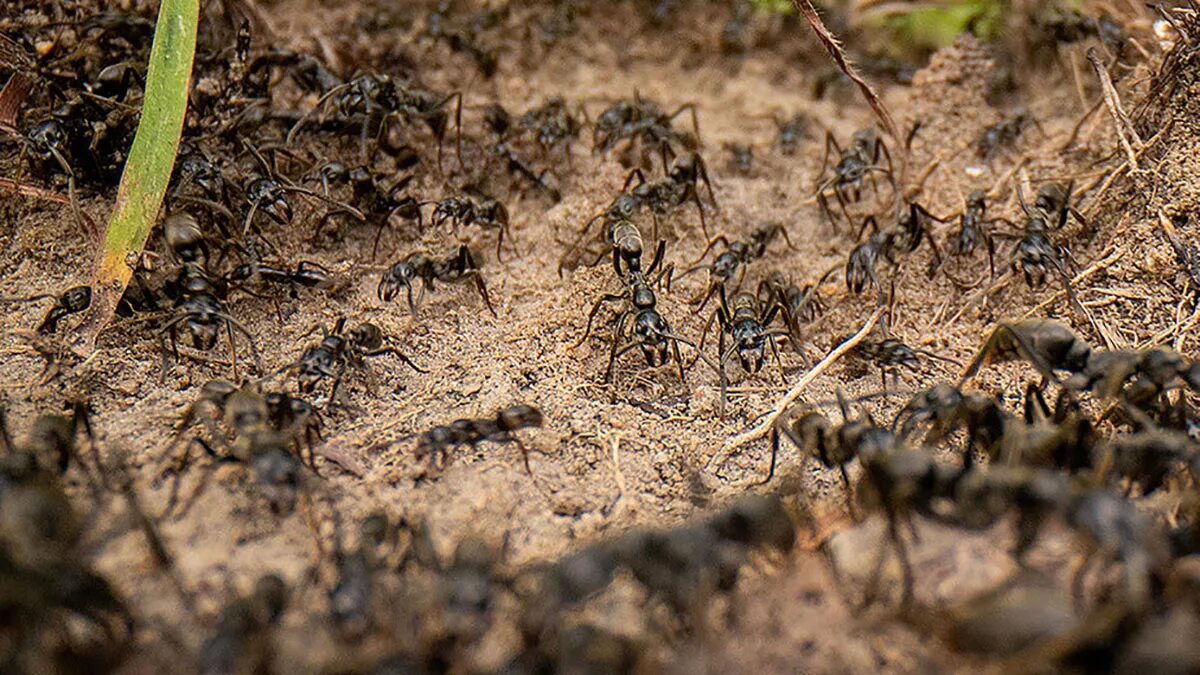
(151, 159)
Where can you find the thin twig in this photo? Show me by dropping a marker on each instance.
(794, 393)
(1121, 121)
(26, 190)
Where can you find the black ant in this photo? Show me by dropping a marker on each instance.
(1004, 133)
(552, 125)
(748, 327)
(792, 131)
(377, 203)
(71, 301)
(340, 349)
(257, 443)
(1036, 255)
(1047, 344)
(434, 445)
(459, 268)
(736, 257)
(199, 297)
(974, 230)
(499, 122)
(641, 119)
(860, 160)
(650, 332)
(244, 641)
(305, 274)
(465, 210)
(890, 354)
(378, 98)
(799, 304)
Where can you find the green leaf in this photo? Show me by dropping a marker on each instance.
(151, 159)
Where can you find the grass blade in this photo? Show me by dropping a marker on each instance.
(151, 159)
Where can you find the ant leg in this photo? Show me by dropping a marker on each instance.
(906, 570)
(398, 354)
(774, 457)
(719, 239)
(483, 293)
(524, 455)
(839, 192)
(880, 148)
(678, 359)
(618, 333)
(592, 315)
(830, 144)
(700, 210)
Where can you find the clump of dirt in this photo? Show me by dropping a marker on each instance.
(646, 449)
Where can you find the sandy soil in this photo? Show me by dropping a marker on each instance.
(646, 450)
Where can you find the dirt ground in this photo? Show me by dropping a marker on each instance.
(647, 449)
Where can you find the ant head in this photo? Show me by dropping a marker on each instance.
(649, 330)
(269, 197)
(47, 137)
(1052, 198)
(76, 299)
(977, 199)
(217, 391)
(183, 235)
(750, 351)
(398, 276)
(204, 332)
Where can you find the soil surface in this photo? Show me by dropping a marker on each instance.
(646, 449)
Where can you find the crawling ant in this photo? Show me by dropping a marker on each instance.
(649, 330)
(799, 304)
(352, 595)
(465, 210)
(71, 301)
(378, 203)
(244, 638)
(890, 354)
(434, 445)
(864, 258)
(736, 257)
(499, 122)
(552, 125)
(741, 157)
(378, 98)
(1036, 255)
(305, 274)
(1047, 344)
(641, 119)
(748, 326)
(459, 268)
(257, 444)
(340, 349)
(199, 297)
(791, 131)
(912, 226)
(1004, 133)
(859, 161)
(974, 230)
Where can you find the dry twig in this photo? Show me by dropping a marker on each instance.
(1121, 121)
(794, 393)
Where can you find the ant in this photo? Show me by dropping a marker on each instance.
(378, 203)
(741, 157)
(799, 304)
(338, 350)
(890, 354)
(905, 236)
(684, 173)
(860, 160)
(306, 273)
(71, 301)
(1004, 134)
(1047, 344)
(499, 122)
(257, 443)
(641, 119)
(434, 445)
(649, 331)
(465, 210)
(378, 99)
(748, 327)
(244, 638)
(552, 125)
(199, 297)
(459, 268)
(1036, 254)
(791, 131)
(974, 230)
(736, 257)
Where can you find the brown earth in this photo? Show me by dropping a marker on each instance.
(646, 450)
